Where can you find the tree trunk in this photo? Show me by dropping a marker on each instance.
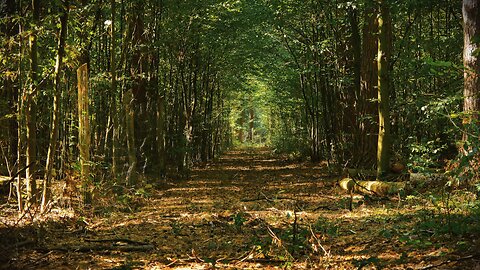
(161, 135)
(367, 146)
(251, 120)
(30, 110)
(52, 149)
(240, 129)
(84, 132)
(113, 107)
(471, 91)
(128, 101)
(21, 133)
(384, 85)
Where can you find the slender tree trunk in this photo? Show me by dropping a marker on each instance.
(251, 120)
(20, 152)
(471, 91)
(240, 130)
(161, 135)
(128, 101)
(10, 83)
(113, 105)
(20, 124)
(384, 86)
(53, 145)
(31, 111)
(84, 133)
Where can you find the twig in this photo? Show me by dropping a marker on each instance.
(265, 260)
(117, 240)
(266, 198)
(172, 263)
(38, 260)
(127, 248)
(325, 252)
(448, 261)
(16, 174)
(275, 238)
(278, 241)
(246, 255)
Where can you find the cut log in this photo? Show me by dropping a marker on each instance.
(371, 187)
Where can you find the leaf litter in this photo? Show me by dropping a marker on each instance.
(251, 209)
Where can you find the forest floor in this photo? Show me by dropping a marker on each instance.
(250, 209)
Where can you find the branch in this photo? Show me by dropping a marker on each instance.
(449, 261)
(124, 240)
(17, 174)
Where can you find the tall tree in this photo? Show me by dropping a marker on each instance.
(471, 52)
(31, 107)
(384, 88)
(53, 144)
(84, 132)
(368, 111)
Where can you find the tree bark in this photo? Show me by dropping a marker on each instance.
(471, 51)
(368, 111)
(21, 133)
(84, 132)
(53, 145)
(384, 85)
(128, 101)
(161, 135)
(251, 121)
(113, 108)
(31, 111)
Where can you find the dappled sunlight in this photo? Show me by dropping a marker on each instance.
(245, 215)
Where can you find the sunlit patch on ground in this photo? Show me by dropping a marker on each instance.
(250, 210)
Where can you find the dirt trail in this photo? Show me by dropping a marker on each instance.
(250, 209)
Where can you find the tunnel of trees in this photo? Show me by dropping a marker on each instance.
(128, 93)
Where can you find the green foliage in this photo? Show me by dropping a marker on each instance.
(239, 219)
(425, 155)
(465, 168)
(325, 226)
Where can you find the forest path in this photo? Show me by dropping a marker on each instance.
(250, 209)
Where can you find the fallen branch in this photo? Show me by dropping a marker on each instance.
(40, 259)
(264, 260)
(448, 261)
(124, 240)
(89, 248)
(266, 198)
(6, 183)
